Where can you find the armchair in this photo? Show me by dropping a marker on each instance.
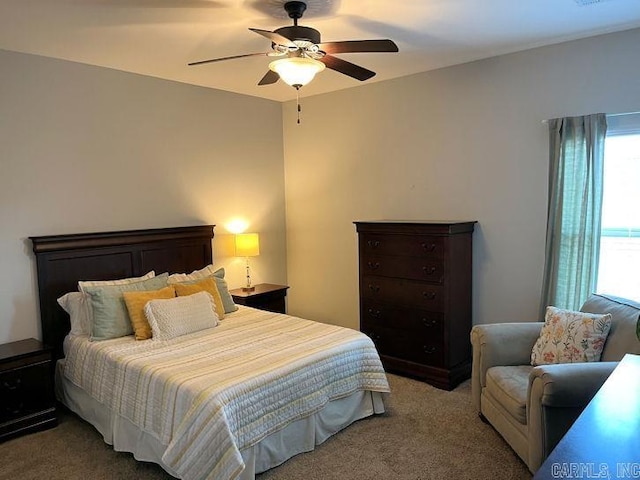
(533, 407)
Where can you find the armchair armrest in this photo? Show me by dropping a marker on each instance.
(567, 384)
(500, 344)
(557, 395)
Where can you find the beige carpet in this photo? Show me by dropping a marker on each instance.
(426, 434)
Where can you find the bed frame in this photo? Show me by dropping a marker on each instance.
(63, 260)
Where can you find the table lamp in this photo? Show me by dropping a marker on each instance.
(247, 245)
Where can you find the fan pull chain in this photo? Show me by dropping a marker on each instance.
(298, 103)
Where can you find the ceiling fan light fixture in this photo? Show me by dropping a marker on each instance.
(297, 71)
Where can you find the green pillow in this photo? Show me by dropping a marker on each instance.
(223, 288)
(110, 318)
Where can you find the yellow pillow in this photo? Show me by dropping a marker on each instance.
(206, 285)
(136, 301)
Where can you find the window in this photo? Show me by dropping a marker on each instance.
(619, 265)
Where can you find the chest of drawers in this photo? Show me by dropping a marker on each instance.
(415, 297)
(27, 401)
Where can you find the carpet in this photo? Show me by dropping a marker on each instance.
(425, 434)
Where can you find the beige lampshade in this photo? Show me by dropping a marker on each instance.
(247, 245)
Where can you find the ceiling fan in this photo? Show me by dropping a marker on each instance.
(304, 54)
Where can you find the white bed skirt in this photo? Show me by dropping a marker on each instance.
(298, 437)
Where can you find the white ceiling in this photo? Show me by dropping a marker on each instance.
(159, 37)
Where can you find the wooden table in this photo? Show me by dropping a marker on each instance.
(265, 296)
(27, 402)
(604, 442)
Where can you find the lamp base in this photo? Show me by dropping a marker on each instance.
(248, 289)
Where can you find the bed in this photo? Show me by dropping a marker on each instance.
(226, 402)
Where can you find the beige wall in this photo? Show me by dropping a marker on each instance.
(461, 143)
(90, 149)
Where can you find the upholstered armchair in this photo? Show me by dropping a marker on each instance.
(533, 407)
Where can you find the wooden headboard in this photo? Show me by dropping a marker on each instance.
(63, 260)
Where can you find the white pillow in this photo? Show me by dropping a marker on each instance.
(78, 306)
(171, 318)
(123, 281)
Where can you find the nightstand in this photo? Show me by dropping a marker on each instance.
(266, 296)
(27, 402)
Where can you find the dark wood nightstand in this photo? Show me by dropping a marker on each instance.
(266, 296)
(27, 402)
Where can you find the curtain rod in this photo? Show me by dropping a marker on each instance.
(608, 115)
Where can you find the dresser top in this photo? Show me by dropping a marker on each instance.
(416, 226)
(419, 222)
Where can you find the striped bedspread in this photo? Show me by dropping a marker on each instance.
(210, 394)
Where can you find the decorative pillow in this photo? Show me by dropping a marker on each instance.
(223, 288)
(135, 302)
(206, 272)
(77, 305)
(110, 318)
(123, 281)
(206, 285)
(190, 277)
(570, 337)
(181, 315)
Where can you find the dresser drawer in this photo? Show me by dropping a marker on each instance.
(425, 269)
(25, 390)
(423, 349)
(405, 292)
(402, 245)
(421, 322)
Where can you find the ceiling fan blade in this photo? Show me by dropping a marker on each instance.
(275, 37)
(347, 68)
(357, 46)
(269, 78)
(228, 58)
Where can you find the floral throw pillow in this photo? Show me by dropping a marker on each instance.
(570, 337)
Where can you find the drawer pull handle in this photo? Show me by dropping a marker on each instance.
(374, 313)
(429, 295)
(429, 349)
(429, 270)
(374, 288)
(429, 322)
(373, 243)
(12, 386)
(429, 247)
(15, 410)
(373, 266)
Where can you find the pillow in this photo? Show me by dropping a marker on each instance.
(123, 281)
(570, 337)
(223, 288)
(110, 318)
(181, 315)
(190, 277)
(217, 275)
(206, 285)
(135, 302)
(76, 304)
